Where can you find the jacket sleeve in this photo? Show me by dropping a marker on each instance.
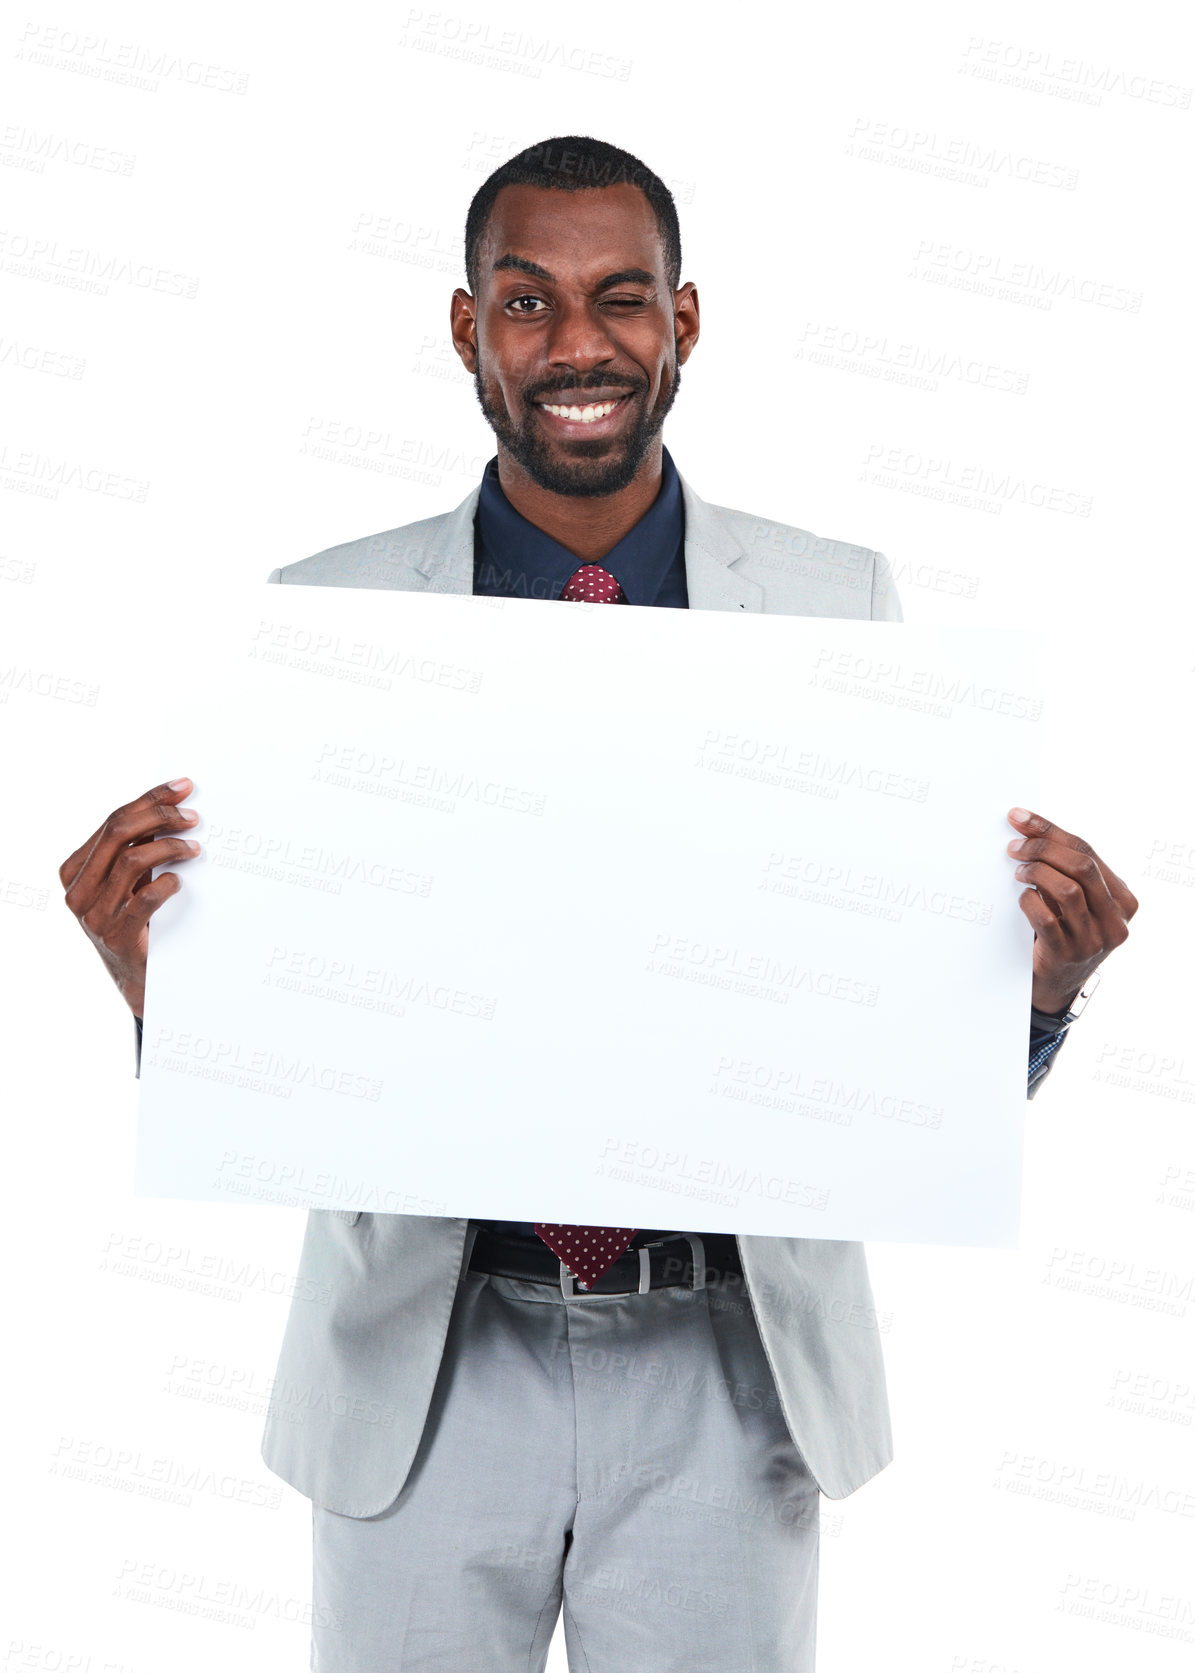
(885, 604)
(1043, 1049)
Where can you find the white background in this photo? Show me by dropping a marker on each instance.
(220, 434)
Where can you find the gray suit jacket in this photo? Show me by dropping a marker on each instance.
(371, 1306)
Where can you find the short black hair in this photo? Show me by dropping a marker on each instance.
(574, 163)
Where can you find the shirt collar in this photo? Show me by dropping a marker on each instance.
(536, 566)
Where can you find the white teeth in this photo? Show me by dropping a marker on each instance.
(582, 415)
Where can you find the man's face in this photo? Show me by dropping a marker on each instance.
(573, 338)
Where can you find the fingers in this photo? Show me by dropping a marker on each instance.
(1126, 901)
(127, 882)
(1084, 931)
(84, 874)
(1071, 873)
(1072, 879)
(1046, 926)
(1079, 908)
(1034, 825)
(126, 928)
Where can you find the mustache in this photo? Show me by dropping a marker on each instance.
(579, 386)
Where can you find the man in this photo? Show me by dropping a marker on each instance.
(484, 1441)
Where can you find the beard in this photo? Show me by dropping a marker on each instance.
(590, 468)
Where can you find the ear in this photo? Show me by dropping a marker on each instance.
(463, 325)
(687, 316)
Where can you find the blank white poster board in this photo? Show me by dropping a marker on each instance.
(603, 915)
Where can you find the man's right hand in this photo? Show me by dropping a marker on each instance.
(107, 880)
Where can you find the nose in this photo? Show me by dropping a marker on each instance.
(578, 339)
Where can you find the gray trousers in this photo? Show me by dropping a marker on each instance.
(623, 1457)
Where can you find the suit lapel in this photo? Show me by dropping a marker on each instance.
(445, 556)
(710, 553)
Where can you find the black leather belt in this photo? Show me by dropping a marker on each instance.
(669, 1261)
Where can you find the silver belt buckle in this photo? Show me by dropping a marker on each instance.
(568, 1282)
(568, 1286)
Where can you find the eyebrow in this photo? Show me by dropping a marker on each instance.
(627, 276)
(522, 265)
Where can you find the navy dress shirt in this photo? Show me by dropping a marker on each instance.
(514, 559)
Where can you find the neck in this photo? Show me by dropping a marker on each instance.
(586, 526)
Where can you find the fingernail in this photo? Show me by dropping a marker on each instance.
(193, 846)
(1021, 815)
(178, 783)
(189, 814)
(1015, 847)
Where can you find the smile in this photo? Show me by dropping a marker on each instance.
(592, 412)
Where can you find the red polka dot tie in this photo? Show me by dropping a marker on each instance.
(588, 1251)
(593, 585)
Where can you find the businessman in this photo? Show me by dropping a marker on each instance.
(497, 1421)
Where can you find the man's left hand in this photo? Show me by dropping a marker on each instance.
(1078, 907)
